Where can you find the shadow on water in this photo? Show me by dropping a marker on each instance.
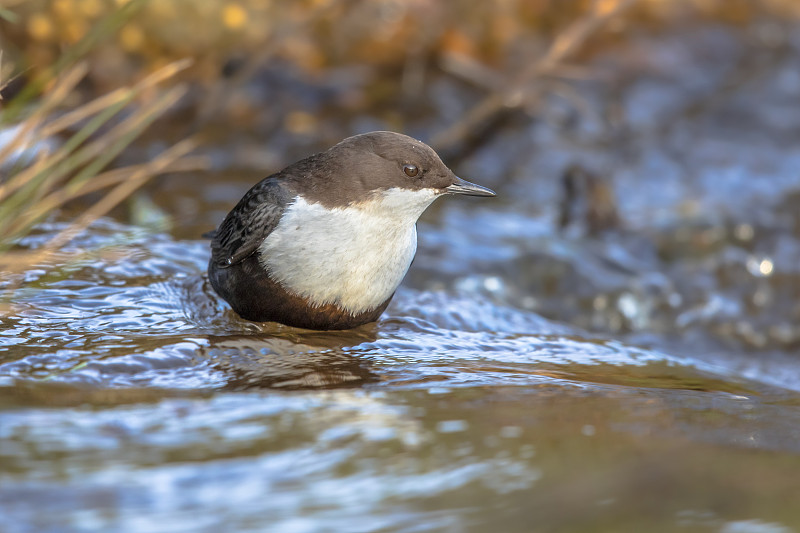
(296, 361)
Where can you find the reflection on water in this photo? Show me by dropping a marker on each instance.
(284, 364)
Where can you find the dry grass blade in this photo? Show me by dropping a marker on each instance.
(113, 177)
(170, 160)
(5, 75)
(120, 192)
(514, 93)
(95, 106)
(96, 155)
(217, 92)
(52, 99)
(97, 32)
(104, 108)
(74, 168)
(3, 84)
(110, 145)
(30, 195)
(48, 169)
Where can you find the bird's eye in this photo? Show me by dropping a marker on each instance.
(410, 170)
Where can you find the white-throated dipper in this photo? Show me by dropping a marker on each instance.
(325, 242)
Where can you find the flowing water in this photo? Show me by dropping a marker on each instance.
(132, 399)
(644, 377)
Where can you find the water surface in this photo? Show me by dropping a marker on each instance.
(133, 399)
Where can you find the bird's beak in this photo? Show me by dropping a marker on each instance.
(469, 189)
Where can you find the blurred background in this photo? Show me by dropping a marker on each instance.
(637, 279)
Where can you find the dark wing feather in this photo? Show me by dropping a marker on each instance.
(250, 222)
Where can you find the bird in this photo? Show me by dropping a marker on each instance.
(324, 243)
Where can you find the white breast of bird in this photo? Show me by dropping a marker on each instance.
(353, 256)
